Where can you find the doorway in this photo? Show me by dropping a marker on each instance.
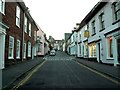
(99, 51)
(118, 49)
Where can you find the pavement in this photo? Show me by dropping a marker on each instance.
(14, 72)
(107, 69)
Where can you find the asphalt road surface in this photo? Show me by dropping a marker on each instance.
(61, 71)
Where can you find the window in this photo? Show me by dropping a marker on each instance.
(2, 6)
(92, 49)
(29, 29)
(29, 49)
(18, 49)
(110, 50)
(93, 28)
(11, 47)
(101, 18)
(35, 35)
(18, 16)
(24, 50)
(25, 24)
(116, 10)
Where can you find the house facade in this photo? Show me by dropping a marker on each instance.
(72, 46)
(17, 33)
(99, 34)
(41, 42)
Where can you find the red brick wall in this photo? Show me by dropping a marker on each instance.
(10, 20)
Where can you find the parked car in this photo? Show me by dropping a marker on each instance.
(52, 53)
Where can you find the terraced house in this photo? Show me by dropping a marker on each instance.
(98, 35)
(17, 33)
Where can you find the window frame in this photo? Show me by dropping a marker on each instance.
(18, 16)
(25, 23)
(24, 55)
(2, 7)
(102, 21)
(18, 49)
(29, 49)
(30, 29)
(116, 9)
(12, 52)
(93, 28)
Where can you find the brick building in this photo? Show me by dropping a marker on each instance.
(17, 32)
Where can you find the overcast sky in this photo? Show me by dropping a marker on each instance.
(56, 17)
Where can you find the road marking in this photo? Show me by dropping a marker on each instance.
(97, 72)
(23, 81)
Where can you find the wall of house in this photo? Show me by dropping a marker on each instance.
(40, 33)
(100, 38)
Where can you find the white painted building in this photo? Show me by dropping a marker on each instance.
(72, 47)
(103, 40)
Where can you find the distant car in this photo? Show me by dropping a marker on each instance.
(52, 53)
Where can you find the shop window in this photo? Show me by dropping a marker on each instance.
(110, 50)
(92, 49)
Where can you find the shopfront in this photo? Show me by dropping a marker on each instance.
(92, 50)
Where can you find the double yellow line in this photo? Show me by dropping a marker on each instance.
(23, 81)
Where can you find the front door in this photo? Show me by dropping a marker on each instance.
(118, 49)
(2, 48)
(99, 50)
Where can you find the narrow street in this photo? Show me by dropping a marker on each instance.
(61, 71)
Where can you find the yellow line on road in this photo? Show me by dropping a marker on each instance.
(23, 81)
(97, 72)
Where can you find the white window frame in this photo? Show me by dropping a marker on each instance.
(18, 49)
(30, 27)
(102, 21)
(12, 51)
(29, 49)
(2, 6)
(93, 27)
(25, 23)
(18, 16)
(24, 56)
(116, 9)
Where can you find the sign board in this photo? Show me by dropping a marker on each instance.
(86, 33)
